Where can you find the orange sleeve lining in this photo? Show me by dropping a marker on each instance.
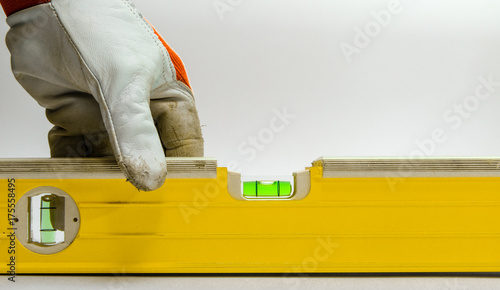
(180, 70)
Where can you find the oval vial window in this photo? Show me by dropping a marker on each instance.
(48, 220)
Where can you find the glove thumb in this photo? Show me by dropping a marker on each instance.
(134, 137)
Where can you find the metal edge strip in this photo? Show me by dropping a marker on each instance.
(99, 168)
(400, 167)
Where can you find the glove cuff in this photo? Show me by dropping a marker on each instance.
(13, 6)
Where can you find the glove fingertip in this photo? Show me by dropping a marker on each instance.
(145, 175)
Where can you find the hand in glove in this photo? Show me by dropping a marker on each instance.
(110, 84)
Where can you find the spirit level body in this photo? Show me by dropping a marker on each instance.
(370, 215)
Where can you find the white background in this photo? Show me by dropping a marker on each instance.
(262, 56)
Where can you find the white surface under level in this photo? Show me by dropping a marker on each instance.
(251, 283)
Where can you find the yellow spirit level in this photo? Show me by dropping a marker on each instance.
(341, 215)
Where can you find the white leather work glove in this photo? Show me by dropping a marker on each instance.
(110, 84)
